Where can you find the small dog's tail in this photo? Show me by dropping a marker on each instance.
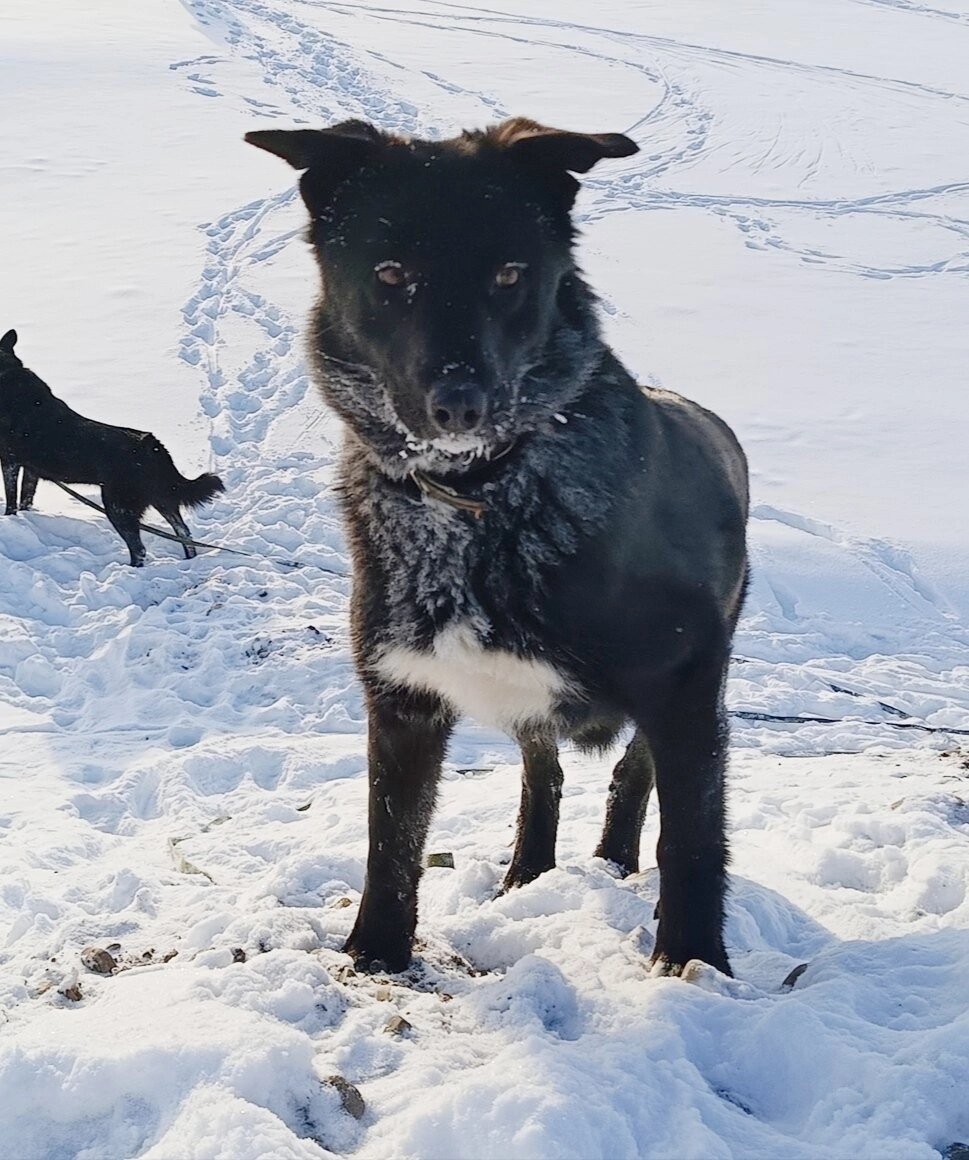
(195, 492)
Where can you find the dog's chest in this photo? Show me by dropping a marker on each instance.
(494, 686)
(444, 567)
(464, 603)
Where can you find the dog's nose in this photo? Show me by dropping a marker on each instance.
(456, 408)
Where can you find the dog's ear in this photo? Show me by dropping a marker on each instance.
(304, 148)
(555, 154)
(328, 155)
(538, 145)
(9, 341)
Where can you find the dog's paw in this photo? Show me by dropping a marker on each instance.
(519, 876)
(373, 960)
(687, 966)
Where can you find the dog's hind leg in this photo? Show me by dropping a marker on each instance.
(538, 817)
(28, 487)
(686, 726)
(407, 739)
(632, 781)
(125, 521)
(174, 517)
(10, 473)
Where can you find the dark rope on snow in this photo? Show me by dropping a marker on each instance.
(749, 715)
(200, 543)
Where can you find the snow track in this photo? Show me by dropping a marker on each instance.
(185, 743)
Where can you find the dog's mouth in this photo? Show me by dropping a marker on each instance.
(461, 445)
(452, 453)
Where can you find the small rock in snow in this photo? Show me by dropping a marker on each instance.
(98, 960)
(445, 859)
(350, 1097)
(397, 1025)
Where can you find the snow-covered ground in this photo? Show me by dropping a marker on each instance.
(183, 746)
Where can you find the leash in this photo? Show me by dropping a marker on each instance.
(749, 715)
(199, 543)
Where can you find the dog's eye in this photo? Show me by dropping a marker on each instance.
(391, 274)
(508, 275)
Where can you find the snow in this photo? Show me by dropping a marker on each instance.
(185, 744)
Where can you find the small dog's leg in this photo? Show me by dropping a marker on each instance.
(174, 518)
(687, 734)
(538, 817)
(407, 739)
(125, 523)
(10, 473)
(632, 781)
(28, 487)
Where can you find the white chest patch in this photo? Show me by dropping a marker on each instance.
(494, 687)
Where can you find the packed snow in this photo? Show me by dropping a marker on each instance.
(182, 784)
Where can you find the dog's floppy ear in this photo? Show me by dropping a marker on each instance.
(328, 155)
(536, 144)
(9, 341)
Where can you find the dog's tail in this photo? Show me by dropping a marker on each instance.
(195, 492)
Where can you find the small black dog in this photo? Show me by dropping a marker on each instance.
(42, 435)
(537, 541)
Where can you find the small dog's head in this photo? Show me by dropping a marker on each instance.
(453, 318)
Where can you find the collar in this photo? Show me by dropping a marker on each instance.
(435, 487)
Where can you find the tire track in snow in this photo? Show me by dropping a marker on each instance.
(891, 565)
(910, 7)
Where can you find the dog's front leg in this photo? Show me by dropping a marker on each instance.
(10, 472)
(408, 735)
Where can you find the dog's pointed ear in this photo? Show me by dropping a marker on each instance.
(328, 155)
(304, 148)
(9, 341)
(557, 149)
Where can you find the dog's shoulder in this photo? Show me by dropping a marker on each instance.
(28, 386)
(685, 420)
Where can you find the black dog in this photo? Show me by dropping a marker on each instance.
(42, 435)
(537, 541)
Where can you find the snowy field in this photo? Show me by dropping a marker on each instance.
(181, 779)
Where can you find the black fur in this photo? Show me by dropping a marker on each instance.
(603, 580)
(42, 435)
